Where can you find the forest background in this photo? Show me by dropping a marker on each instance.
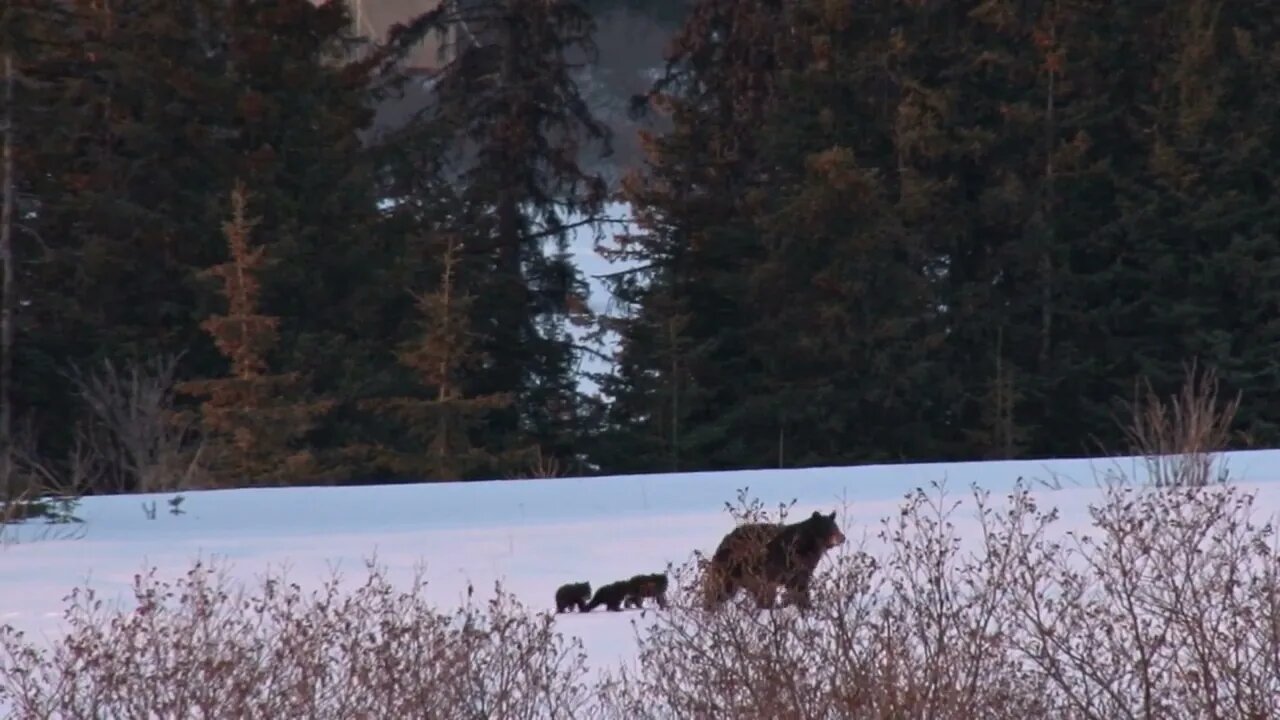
(243, 246)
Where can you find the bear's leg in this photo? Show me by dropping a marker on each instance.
(582, 605)
(765, 593)
(720, 589)
(662, 600)
(798, 593)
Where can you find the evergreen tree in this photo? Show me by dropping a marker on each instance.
(442, 426)
(1193, 249)
(844, 328)
(304, 90)
(515, 124)
(152, 108)
(686, 302)
(257, 421)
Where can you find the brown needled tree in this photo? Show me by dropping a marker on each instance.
(445, 422)
(255, 421)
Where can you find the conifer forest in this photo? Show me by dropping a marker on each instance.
(244, 245)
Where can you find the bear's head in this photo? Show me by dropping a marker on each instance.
(824, 527)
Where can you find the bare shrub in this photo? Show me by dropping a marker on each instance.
(1168, 607)
(47, 489)
(917, 633)
(44, 475)
(539, 466)
(1179, 438)
(145, 445)
(199, 647)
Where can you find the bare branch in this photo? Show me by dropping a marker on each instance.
(147, 445)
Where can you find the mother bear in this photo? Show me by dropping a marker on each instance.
(759, 557)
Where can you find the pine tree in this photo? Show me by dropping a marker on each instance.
(152, 109)
(444, 424)
(258, 421)
(303, 90)
(36, 36)
(516, 125)
(640, 425)
(841, 302)
(1194, 247)
(694, 244)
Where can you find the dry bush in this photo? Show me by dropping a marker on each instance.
(539, 466)
(45, 488)
(42, 475)
(1179, 438)
(917, 633)
(145, 446)
(198, 647)
(1168, 607)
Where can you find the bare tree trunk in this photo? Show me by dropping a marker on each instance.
(6, 292)
(1047, 238)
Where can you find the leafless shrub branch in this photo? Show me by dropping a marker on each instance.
(71, 476)
(146, 445)
(1179, 438)
(199, 647)
(1168, 607)
(46, 490)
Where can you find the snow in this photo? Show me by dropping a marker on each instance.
(532, 534)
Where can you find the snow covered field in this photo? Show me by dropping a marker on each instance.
(533, 535)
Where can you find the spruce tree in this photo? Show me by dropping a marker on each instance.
(442, 423)
(155, 107)
(303, 92)
(38, 40)
(686, 302)
(1195, 243)
(256, 421)
(516, 128)
(843, 326)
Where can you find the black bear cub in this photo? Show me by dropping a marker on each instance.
(647, 586)
(758, 557)
(631, 592)
(611, 596)
(573, 595)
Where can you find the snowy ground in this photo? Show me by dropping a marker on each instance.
(533, 534)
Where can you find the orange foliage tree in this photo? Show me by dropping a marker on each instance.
(256, 421)
(445, 419)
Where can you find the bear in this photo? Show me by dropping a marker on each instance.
(759, 557)
(646, 586)
(611, 596)
(573, 595)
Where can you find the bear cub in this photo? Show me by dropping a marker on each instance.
(647, 586)
(631, 592)
(573, 595)
(611, 596)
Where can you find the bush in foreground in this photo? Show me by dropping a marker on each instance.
(197, 648)
(1167, 605)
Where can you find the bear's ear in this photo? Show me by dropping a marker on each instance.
(816, 515)
(832, 515)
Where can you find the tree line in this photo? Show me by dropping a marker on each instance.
(877, 231)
